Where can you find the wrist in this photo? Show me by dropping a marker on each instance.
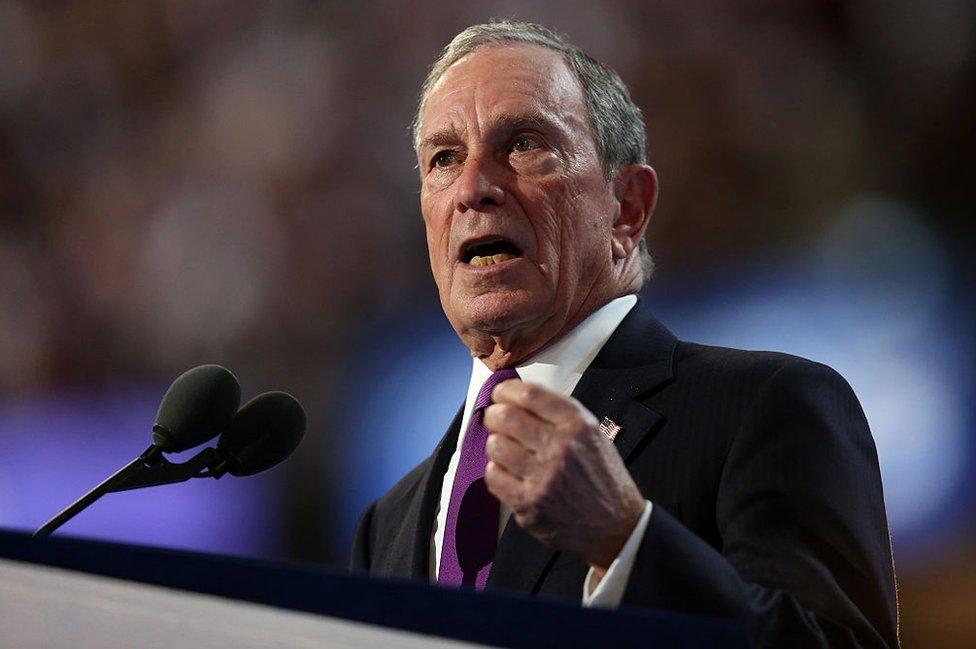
(609, 549)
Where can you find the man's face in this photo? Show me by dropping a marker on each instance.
(517, 209)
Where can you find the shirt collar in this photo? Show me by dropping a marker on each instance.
(560, 366)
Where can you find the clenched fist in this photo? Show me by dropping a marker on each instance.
(561, 477)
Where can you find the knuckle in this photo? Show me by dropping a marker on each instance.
(549, 481)
(502, 415)
(590, 419)
(491, 471)
(492, 485)
(531, 391)
(560, 449)
(503, 390)
(492, 413)
(578, 428)
(509, 413)
(576, 447)
(493, 478)
(491, 447)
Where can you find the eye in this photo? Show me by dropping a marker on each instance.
(444, 158)
(525, 142)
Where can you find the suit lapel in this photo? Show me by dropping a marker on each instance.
(636, 359)
(416, 555)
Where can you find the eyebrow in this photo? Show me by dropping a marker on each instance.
(442, 137)
(521, 121)
(503, 122)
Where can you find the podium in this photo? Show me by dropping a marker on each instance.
(72, 593)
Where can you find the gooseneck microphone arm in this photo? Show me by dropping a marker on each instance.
(147, 470)
(201, 403)
(150, 456)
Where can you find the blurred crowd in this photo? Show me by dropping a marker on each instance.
(232, 181)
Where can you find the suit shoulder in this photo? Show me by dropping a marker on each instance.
(751, 367)
(737, 381)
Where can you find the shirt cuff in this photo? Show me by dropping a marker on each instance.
(610, 591)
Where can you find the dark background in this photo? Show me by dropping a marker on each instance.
(222, 181)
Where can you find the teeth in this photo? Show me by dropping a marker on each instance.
(488, 260)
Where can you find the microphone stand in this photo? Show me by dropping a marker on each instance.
(147, 470)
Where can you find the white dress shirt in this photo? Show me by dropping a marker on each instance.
(558, 367)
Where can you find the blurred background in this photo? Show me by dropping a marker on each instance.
(233, 182)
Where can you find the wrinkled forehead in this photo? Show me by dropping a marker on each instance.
(504, 76)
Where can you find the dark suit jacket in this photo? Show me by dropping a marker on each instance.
(764, 477)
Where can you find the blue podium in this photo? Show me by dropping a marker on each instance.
(65, 592)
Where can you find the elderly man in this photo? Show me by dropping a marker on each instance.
(596, 456)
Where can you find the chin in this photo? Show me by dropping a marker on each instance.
(497, 312)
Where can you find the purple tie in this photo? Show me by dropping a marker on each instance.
(471, 532)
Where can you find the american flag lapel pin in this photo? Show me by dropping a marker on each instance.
(609, 428)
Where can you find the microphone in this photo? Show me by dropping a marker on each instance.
(198, 406)
(266, 430)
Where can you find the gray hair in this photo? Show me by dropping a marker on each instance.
(615, 121)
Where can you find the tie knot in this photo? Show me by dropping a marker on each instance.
(484, 396)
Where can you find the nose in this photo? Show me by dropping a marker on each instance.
(477, 189)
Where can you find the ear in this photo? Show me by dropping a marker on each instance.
(636, 189)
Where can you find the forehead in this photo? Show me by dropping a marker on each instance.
(504, 78)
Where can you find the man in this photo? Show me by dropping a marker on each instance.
(736, 484)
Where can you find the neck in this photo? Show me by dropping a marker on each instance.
(498, 350)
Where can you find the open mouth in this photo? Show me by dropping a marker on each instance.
(488, 251)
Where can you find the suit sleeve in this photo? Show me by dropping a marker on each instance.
(805, 558)
(360, 559)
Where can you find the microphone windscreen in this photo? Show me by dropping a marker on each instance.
(266, 430)
(199, 404)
